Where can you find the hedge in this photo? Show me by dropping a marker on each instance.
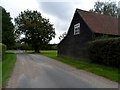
(2, 50)
(105, 51)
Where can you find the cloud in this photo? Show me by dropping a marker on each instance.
(60, 14)
(119, 4)
(60, 10)
(16, 6)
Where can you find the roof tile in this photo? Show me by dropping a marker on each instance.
(100, 23)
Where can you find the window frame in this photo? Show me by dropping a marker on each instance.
(77, 29)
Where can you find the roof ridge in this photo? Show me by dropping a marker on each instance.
(77, 9)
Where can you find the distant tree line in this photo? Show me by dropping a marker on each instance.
(25, 46)
(106, 8)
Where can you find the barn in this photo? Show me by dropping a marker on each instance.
(86, 26)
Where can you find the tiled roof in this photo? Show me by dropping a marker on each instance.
(100, 23)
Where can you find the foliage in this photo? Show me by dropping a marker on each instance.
(50, 47)
(37, 30)
(7, 29)
(22, 46)
(61, 37)
(107, 8)
(25, 46)
(97, 36)
(2, 50)
(105, 51)
(105, 71)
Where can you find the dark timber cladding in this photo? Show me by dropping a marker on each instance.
(83, 27)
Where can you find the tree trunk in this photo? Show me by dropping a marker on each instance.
(37, 50)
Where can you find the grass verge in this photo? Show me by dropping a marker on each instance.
(7, 66)
(101, 70)
(0, 74)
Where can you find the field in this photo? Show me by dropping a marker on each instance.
(7, 66)
(105, 71)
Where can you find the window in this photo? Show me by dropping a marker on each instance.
(77, 29)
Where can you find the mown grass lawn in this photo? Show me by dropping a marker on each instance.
(105, 71)
(7, 66)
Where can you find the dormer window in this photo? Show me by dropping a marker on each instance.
(77, 29)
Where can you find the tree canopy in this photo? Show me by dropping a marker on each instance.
(37, 30)
(106, 8)
(7, 29)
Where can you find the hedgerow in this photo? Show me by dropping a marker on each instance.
(105, 51)
(2, 50)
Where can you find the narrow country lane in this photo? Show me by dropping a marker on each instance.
(37, 71)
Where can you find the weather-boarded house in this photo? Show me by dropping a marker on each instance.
(86, 26)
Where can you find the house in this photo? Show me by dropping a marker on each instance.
(86, 26)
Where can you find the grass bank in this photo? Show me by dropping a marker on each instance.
(105, 71)
(0, 74)
(7, 66)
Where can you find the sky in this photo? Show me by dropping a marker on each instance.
(59, 12)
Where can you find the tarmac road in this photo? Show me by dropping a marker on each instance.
(37, 71)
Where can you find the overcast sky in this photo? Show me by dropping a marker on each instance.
(59, 12)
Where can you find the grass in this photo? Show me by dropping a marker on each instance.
(7, 66)
(0, 74)
(105, 71)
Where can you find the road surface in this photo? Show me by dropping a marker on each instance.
(37, 71)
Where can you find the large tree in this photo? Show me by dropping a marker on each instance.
(7, 29)
(106, 8)
(37, 30)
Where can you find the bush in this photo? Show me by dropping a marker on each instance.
(105, 51)
(2, 50)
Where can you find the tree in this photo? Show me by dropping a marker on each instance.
(61, 37)
(107, 8)
(37, 30)
(7, 29)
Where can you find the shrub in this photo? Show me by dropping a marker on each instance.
(105, 51)
(2, 50)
